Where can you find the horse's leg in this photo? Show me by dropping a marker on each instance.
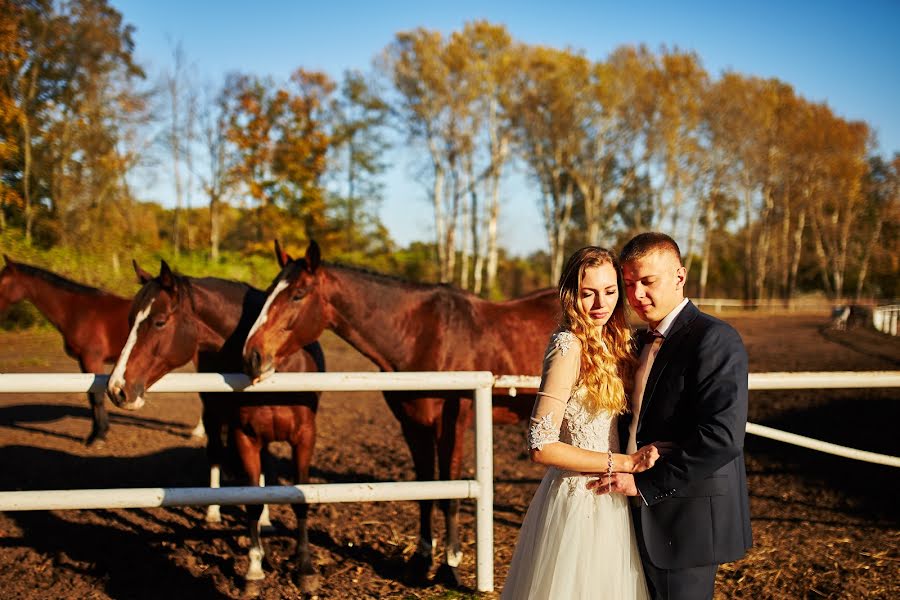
(249, 450)
(420, 440)
(213, 421)
(306, 576)
(455, 419)
(97, 401)
(265, 521)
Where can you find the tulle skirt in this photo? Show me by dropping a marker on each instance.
(575, 544)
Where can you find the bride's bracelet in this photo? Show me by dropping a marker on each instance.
(609, 466)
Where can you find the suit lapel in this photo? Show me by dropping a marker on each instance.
(670, 347)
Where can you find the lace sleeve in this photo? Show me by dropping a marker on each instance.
(560, 371)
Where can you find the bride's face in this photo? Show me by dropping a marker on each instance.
(599, 293)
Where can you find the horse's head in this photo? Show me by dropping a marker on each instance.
(293, 315)
(163, 336)
(10, 289)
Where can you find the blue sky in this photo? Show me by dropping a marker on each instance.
(840, 52)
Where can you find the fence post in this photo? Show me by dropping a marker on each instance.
(484, 506)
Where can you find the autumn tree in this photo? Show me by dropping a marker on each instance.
(548, 117)
(179, 139)
(212, 119)
(280, 143)
(437, 95)
(75, 91)
(356, 161)
(882, 201)
(12, 55)
(488, 67)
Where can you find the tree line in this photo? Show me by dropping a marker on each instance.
(769, 194)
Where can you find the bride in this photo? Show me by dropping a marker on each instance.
(574, 543)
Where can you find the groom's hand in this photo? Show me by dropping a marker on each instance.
(618, 483)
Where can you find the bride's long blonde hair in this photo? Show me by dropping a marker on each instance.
(607, 363)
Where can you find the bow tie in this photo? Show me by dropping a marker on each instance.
(648, 335)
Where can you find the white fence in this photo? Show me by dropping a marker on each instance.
(481, 488)
(885, 318)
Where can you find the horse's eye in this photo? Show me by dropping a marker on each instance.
(160, 323)
(298, 295)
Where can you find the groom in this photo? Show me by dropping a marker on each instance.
(691, 511)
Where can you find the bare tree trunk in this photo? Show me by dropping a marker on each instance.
(189, 164)
(796, 253)
(493, 251)
(466, 219)
(748, 244)
(783, 252)
(867, 256)
(439, 227)
(690, 240)
(26, 179)
(676, 206)
(707, 246)
(452, 221)
(762, 245)
(822, 256)
(214, 232)
(175, 141)
(558, 216)
(478, 249)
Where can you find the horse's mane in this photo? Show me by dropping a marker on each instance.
(59, 281)
(185, 284)
(396, 280)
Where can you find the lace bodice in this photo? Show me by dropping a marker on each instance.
(560, 416)
(580, 429)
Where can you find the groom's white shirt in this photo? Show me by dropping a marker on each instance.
(662, 328)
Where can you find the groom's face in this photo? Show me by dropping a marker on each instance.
(654, 285)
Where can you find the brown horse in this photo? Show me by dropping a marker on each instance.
(404, 326)
(175, 318)
(93, 323)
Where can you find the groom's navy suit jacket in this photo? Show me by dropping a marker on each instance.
(695, 510)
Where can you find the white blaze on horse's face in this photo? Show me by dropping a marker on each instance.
(264, 313)
(117, 378)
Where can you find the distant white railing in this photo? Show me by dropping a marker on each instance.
(481, 488)
(777, 304)
(885, 318)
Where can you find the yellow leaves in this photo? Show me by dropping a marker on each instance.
(279, 136)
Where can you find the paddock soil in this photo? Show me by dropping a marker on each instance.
(824, 527)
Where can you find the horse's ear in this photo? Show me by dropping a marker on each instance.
(313, 256)
(166, 279)
(282, 256)
(142, 275)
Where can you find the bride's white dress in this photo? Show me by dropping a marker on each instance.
(573, 543)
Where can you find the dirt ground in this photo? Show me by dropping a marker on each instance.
(824, 527)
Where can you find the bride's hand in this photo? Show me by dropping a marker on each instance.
(644, 458)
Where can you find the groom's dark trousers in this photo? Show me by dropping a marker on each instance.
(693, 513)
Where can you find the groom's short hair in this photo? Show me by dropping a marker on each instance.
(644, 243)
